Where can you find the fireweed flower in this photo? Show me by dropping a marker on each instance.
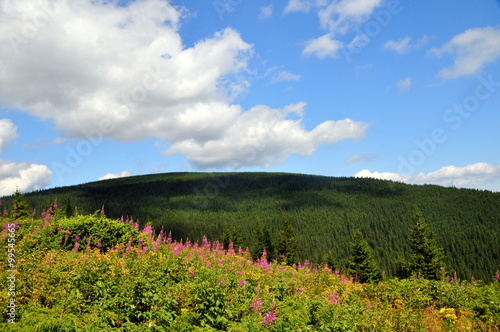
(334, 298)
(268, 319)
(256, 305)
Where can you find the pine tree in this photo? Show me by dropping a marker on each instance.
(287, 244)
(20, 208)
(69, 209)
(362, 264)
(231, 235)
(426, 258)
(263, 241)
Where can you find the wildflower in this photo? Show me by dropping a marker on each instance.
(222, 282)
(77, 238)
(59, 229)
(192, 275)
(497, 276)
(34, 212)
(334, 298)
(241, 283)
(148, 230)
(121, 219)
(136, 225)
(268, 319)
(77, 246)
(99, 245)
(35, 231)
(67, 232)
(55, 206)
(256, 305)
(5, 212)
(144, 248)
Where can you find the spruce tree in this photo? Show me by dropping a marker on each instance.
(362, 264)
(69, 209)
(20, 208)
(426, 258)
(231, 235)
(287, 244)
(263, 241)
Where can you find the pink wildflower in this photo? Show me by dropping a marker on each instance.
(256, 305)
(268, 319)
(334, 298)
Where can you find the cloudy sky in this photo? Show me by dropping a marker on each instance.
(393, 89)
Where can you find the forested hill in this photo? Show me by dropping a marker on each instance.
(324, 211)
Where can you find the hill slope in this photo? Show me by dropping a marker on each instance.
(325, 211)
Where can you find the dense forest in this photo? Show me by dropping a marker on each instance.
(324, 213)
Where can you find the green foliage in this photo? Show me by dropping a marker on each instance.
(324, 212)
(263, 242)
(20, 208)
(362, 265)
(232, 235)
(426, 258)
(287, 244)
(158, 284)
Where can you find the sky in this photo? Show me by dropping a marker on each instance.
(392, 89)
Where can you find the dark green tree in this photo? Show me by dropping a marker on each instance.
(232, 235)
(20, 208)
(69, 209)
(263, 241)
(362, 265)
(287, 244)
(426, 258)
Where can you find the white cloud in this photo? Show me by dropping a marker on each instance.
(8, 132)
(405, 45)
(264, 136)
(115, 175)
(266, 12)
(342, 15)
(294, 6)
(22, 176)
(125, 72)
(322, 47)
(285, 76)
(401, 46)
(470, 50)
(474, 175)
(404, 85)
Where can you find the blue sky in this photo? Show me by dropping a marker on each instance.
(393, 89)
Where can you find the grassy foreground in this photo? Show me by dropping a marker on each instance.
(91, 273)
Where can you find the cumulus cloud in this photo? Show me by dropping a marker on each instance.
(473, 175)
(337, 17)
(470, 50)
(125, 72)
(22, 176)
(8, 132)
(322, 47)
(115, 175)
(264, 136)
